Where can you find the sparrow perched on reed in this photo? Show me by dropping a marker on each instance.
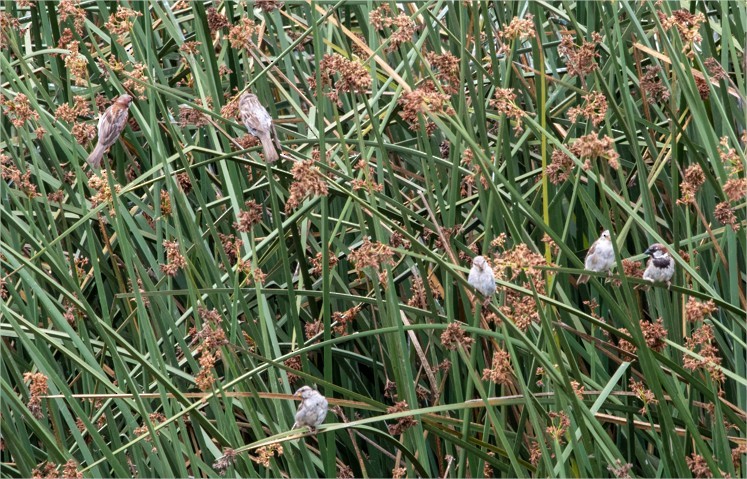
(111, 125)
(312, 410)
(660, 267)
(259, 123)
(600, 257)
(481, 276)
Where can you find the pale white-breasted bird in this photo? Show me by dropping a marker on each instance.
(312, 410)
(111, 125)
(600, 258)
(481, 276)
(259, 123)
(660, 267)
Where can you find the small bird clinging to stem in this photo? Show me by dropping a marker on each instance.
(660, 267)
(312, 410)
(481, 276)
(111, 125)
(259, 123)
(600, 258)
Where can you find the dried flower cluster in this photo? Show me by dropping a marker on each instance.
(316, 262)
(500, 371)
(50, 470)
(231, 246)
(230, 111)
(580, 60)
(725, 215)
(447, 70)
(69, 114)
(715, 69)
(505, 102)
(694, 179)
(216, 20)
(266, 453)
(313, 329)
(632, 268)
(687, 25)
(560, 167)
(353, 77)
(626, 346)
(559, 424)
(83, 133)
(209, 340)
(76, 64)
(645, 395)
(155, 419)
(654, 334)
(11, 173)
(698, 311)
(174, 258)
(591, 146)
(652, 86)
(293, 363)
(404, 423)
(222, 464)
(520, 265)
(182, 179)
(454, 335)
(120, 22)
(103, 192)
(620, 470)
(240, 34)
(71, 9)
(37, 387)
(405, 26)
(249, 217)
(268, 5)
(735, 187)
(594, 109)
(699, 466)
(18, 110)
(190, 116)
(8, 23)
(345, 472)
(417, 297)
(307, 183)
(374, 255)
(519, 28)
(588, 146)
(424, 100)
(344, 318)
(135, 81)
(368, 182)
(701, 342)
(190, 48)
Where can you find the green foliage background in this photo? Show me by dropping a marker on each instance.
(115, 352)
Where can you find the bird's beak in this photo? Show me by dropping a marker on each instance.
(648, 251)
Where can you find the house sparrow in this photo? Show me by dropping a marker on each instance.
(481, 276)
(111, 124)
(259, 123)
(600, 258)
(660, 267)
(312, 410)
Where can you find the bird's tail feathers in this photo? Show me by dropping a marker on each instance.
(94, 159)
(271, 154)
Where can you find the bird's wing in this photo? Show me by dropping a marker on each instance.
(111, 124)
(592, 249)
(275, 139)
